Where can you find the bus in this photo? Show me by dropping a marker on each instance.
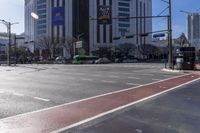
(83, 59)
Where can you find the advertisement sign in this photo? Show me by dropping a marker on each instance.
(104, 15)
(58, 16)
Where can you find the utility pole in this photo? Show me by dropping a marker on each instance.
(9, 43)
(8, 26)
(170, 60)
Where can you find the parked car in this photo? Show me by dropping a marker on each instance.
(130, 61)
(60, 60)
(102, 61)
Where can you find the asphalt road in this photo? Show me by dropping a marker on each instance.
(29, 88)
(175, 112)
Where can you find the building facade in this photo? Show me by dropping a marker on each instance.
(97, 21)
(128, 18)
(193, 29)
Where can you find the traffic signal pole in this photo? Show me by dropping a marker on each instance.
(170, 60)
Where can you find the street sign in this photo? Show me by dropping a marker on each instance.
(159, 35)
(79, 44)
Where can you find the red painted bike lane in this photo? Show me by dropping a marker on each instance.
(66, 115)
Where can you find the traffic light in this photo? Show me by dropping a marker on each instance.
(144, 34)
(131, 36)
(116, 38)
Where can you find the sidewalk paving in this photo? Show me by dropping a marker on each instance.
(70, 115)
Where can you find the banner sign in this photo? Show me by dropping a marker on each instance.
(58, 16)
(104, 14)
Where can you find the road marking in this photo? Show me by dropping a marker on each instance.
(133, 78)
(114, 76)
(167, 75)
(41, 99)
(70, 78)
(78, 74)
(124, 106)
(113, 72)
(18, 94)
(147, 74)
(107, 81)
(85, 79)
(1, 92)
(97, 75)
(133, 84)
(93, 97)
(156, 79)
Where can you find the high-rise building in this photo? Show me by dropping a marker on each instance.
(193, 29)
(124, 22)
(98, 21)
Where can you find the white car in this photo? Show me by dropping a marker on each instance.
(102, 61)
(60, 60)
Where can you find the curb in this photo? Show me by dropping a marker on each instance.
(170, 70)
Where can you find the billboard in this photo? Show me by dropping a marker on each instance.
(104, 14)
(58, 16)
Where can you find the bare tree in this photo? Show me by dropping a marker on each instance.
(126, 48)
(49, 44)
(68, 43)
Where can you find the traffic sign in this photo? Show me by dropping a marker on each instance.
(159, 35)
(79, 44)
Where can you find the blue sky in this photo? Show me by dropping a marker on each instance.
(13, 10)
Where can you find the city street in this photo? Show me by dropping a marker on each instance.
(33, 87)
(111, 98)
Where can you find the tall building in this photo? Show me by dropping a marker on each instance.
(29, 22)
(128, 19)
(193, 29)
(98, 21)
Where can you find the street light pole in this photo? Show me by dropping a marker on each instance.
(8, 26)
(9, 43)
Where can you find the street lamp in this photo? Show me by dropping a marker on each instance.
(8, 26)
(34, 15)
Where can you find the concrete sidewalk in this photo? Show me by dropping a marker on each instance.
(70, 115)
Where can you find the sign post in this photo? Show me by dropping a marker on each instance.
(79, 45)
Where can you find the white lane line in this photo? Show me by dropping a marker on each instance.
(70, 78)
(113, 72)
(78, 74)
(133, 78)
(1, 92)
(107, 81)
(18, 94)
(133, 84)
(156, 79)
(147, 74)
(96, 75)
(114, 76)
(41, 99)
(85, 79)
(167, 75)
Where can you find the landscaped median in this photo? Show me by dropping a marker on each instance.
(70, 115)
